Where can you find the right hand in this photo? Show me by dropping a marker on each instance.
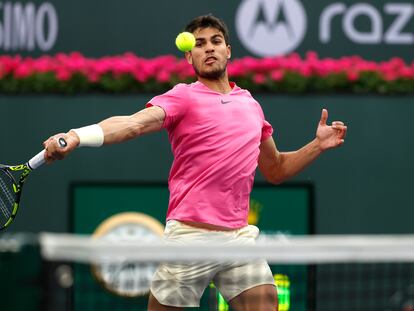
(53, 149)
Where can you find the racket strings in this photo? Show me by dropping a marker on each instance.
(7, 197)
(6, 189)
(4, 211)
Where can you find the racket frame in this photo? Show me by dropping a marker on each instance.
(35, 162)
(17, 187)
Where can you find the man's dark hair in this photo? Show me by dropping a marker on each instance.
(206, 21)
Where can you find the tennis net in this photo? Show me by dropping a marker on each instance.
(78, 272)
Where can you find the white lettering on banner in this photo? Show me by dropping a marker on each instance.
(393, 35)
(277, 27)
(404, 12)
(373, 36)
(46, 12)
(23, 34)
(271, 27)
(326, 19)
(24, 28)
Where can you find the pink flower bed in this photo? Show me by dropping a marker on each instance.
(279, 74)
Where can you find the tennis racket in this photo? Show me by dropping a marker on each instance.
(12, 178)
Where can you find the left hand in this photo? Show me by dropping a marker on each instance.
(330, 136)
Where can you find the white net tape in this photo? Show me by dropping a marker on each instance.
(276, 249)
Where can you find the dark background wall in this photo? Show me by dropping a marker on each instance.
(363, 187)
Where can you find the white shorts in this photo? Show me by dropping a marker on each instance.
(182, 285)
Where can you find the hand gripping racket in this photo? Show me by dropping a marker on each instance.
(11, 184)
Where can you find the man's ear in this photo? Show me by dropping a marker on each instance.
(189, 57)
(228, 52)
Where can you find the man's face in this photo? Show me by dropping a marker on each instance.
(210, 54)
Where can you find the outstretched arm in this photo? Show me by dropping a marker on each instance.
(277, 166)
(122, 128)
(109, 131)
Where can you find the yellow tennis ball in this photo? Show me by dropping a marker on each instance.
(185, 41)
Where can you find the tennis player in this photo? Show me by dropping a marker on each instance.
(219, 136)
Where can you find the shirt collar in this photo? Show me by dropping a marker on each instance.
(232, 84)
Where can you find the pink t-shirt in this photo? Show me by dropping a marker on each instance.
(215, 141)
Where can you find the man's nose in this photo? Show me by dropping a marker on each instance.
(209, 47)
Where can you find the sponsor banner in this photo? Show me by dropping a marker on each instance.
(373, 29)
(28, 27)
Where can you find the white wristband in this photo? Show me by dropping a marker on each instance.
(90, 136)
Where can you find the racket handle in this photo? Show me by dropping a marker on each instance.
(39, 158)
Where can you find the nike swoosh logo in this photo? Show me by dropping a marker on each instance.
(225, 102)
